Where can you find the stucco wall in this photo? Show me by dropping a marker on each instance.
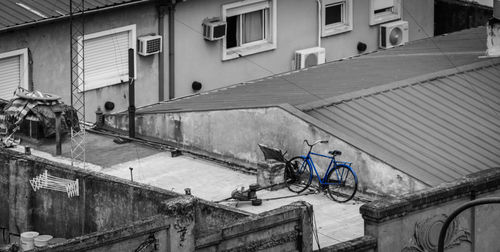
(49, 45)
(234, 135)
(200, 60)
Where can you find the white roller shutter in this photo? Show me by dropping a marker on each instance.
(10, 76)
(106, 60)
(382, 4)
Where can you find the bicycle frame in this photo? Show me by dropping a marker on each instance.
(333, 164)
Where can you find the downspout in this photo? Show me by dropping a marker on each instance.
(319, 22)
(161, 60)
(171, 51)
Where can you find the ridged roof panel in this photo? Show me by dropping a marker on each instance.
(20, 12)
(436, 131)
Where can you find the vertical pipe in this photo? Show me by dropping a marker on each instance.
(131, 94)
(58, 112)
(161, 56)
(319, 21)
(171, 51)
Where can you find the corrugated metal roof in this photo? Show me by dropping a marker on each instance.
(385, 66)
(15, 13)
(435, 130)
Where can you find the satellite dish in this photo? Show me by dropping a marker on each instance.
(396, 36)
(311, 60)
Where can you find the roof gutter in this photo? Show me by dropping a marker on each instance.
(59, 18)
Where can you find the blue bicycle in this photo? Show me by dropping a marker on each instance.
(340, 180)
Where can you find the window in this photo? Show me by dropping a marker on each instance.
(251, 28)
(382, 11)
(106, 56)
(13, 72)
(336, 17)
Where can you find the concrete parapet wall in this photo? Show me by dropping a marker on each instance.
(210, 216)
(104, 201)
(413, 222)
(123, 238)
(361, 244)
(112, 214)
(288, 228)
(233, 136)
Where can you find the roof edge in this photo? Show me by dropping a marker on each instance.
(63, 17)
(397, 84)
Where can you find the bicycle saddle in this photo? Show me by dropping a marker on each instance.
(335, 153)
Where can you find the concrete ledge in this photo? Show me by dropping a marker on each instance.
(104, 238)
(283, 221)
(361, 244)
(468, 186)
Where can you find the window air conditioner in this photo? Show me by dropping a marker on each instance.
(214, 29)
(309, 57)
(149, 45)
(393, 34)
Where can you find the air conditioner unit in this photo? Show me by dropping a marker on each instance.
(214, 29)
(393, 34)
(149, 45)
(309, 57)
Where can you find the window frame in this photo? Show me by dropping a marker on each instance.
(270, 29)
(345, 25)
(384, 17)
(131, 29)
(24, 63)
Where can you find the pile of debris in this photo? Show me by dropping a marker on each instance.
(33, 114)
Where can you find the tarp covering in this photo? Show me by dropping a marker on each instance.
(17, 110)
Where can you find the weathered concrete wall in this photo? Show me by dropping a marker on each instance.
(210, 216)
(413, 223)
(124, 238)
(234, 135)
(288, 228)
(361, 244)
(49, 46)
(104, 201)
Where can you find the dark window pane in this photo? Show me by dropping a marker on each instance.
(333, 14)
(232, 32)
(390, 9)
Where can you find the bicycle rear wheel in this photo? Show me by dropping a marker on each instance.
(297, 174)
(342, 183)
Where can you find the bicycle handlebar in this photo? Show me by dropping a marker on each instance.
(317, 142)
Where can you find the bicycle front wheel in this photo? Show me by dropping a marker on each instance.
(342, 183)
(297, 174)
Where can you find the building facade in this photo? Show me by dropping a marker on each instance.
(261, 39)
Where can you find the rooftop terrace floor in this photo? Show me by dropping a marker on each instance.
(207, 180)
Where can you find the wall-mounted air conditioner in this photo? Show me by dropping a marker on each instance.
(309, 57)
(393, 34)
(149, 45)
(214, 29)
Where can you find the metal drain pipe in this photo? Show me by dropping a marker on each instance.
(171, 50)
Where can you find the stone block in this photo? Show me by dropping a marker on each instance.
(271, 173)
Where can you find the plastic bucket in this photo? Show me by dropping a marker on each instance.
(27, 240)
(42, 240)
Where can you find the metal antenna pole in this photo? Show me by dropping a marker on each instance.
(77, 79)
